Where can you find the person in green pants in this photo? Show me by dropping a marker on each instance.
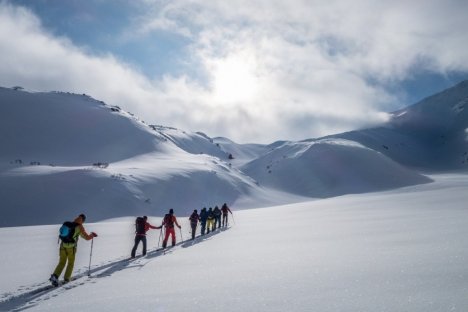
(68, 248)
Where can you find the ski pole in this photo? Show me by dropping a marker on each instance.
(160, 234)
(90, 256)
(233, 218)
(181, 238)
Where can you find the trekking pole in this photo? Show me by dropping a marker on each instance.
(160, 234)
(181, 238)
(90, 256)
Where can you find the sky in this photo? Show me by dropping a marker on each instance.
(252, 71)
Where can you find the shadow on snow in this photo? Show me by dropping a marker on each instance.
(38, 293)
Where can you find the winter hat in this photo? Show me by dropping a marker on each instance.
(145, 217)
(83, 217)
(171, 211)
(195, 211)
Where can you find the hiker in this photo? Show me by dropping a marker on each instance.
(194, 218)
(210, 220)
(203, 218)
(225, 209)
(168, 222)
(141, 227)
(68, 248)
(217, 216)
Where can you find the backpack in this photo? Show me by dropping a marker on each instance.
(67, 231)
(140, 225)
(194, 218)
(168, 222)
(217, 212)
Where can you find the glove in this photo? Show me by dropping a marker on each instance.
(93, 234)
(180, 227)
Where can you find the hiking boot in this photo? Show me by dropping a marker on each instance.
(54, 280)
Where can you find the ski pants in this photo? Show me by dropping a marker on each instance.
(210, 225)
(194, 229)
(217, 222)
(203, 227)
(66, 254)
(169, 231)
(225, 220)
(139, 238)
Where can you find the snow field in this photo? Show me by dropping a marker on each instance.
(401, 250)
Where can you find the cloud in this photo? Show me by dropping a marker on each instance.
(268, 70)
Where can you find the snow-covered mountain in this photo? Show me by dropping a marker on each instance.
(431, 135)
(398, 250)
(329, 167)
(64, 153)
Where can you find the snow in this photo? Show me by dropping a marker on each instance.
(369, 220)
(399, 250)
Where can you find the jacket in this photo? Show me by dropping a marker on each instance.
(79, 231)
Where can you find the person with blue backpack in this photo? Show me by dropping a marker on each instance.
(69, 234)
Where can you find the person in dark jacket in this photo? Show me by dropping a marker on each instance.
(140, 233)
(225, 209)
(217, 216)
(194, 218)
(203, 219)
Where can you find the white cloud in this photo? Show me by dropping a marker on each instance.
(277, 69)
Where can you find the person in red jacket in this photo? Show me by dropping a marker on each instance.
(142, 226)
(168, 222)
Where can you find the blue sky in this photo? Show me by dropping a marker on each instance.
(254, 71)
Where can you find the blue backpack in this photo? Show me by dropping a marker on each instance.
(67, 231)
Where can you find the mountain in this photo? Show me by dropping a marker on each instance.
(431, 135)
(65, 153)
(329, 167)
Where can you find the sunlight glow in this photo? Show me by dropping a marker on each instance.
(234, 80)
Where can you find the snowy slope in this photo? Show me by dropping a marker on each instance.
(430, 135)
(50, 142)
(400, 250)
(329, 167)
(67, 129)
(241, 153)
(53, 139)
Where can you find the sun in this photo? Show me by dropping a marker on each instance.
(234, 80)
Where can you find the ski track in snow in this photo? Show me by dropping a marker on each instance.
(26, 297)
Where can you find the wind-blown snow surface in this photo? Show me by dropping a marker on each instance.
(400, 250)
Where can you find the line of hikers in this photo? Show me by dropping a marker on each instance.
(70, 232)
(209, 220)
